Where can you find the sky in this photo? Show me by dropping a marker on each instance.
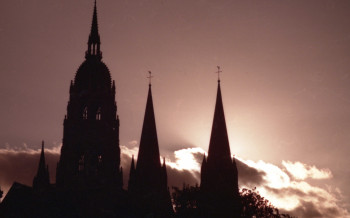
(285, 87)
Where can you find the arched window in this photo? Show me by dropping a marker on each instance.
(98, 114)
(85, 113)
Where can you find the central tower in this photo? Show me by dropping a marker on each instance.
(90, 154)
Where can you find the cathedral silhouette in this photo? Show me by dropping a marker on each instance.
(89, 178)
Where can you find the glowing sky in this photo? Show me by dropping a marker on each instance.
(285, 81)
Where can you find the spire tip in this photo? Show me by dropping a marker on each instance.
(150, 78)
(218, 72)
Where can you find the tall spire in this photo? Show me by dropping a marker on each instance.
(94, 38)
(150, 187)
(42, 164)
(42, 179)
(219, 147)
(148, 156)
(219, 176)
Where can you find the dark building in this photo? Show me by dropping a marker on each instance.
(90, 154)
(219, 176)
(88, 176)
(148, 181)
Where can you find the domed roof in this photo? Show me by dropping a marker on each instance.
(92, 74)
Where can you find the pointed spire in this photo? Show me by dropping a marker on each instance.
(132, 167)
(131, 183)
(150, 77)
(148, 156)
(164, 166)
(42, 178)
(164, 174)
(94, 37)
(42, 164)
(219, 147)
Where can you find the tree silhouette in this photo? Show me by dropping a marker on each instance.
(255, 205)
(186, 200)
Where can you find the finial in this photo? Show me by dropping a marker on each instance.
(150, 77)
(42, 144)
(218, 72)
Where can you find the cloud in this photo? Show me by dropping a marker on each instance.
(187, 159)
(293, 194)
(302, 171)
(249, 176)
(182, 166)
(20, 164)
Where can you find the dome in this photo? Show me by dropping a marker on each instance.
(92, 74)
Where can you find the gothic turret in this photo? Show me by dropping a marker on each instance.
(90, 154)
(148, 182)
(219, 178)
(42, 179)
(132, 175)
(94, 38)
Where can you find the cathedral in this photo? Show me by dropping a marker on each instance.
(89, 178)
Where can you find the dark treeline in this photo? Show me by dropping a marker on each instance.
(186, 203)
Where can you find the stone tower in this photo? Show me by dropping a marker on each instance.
(148, 181)
(219, 176)
(90, 154)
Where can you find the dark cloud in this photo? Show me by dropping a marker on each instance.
(178, 178)
(309, 209)
(249, 176)
(21, 166)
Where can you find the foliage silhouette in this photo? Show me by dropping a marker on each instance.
(186, 202)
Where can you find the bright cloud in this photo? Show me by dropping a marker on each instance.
(294, 194)
(274, 176)
(129, 151)
(302, 171)
(187, 159)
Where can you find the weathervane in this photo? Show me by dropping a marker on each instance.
(218, 72)
(150, 77)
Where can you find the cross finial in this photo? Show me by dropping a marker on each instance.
(218, 72)
(150, 77)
